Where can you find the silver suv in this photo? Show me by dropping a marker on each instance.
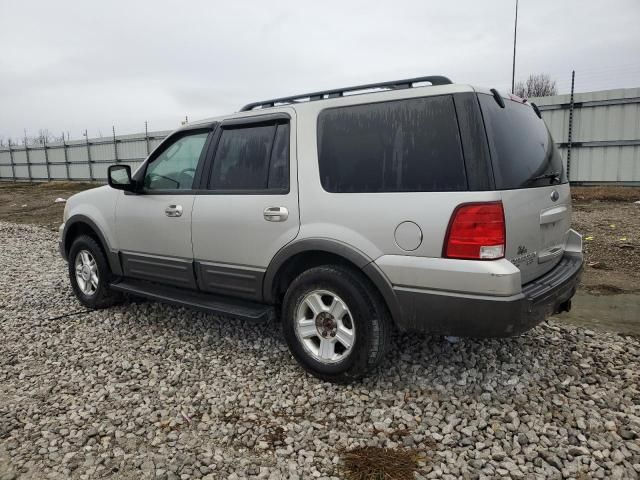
(415, 204)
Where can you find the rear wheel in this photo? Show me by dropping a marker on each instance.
(335, 324)
(90, 274)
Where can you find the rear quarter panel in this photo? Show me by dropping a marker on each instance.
(367, 221)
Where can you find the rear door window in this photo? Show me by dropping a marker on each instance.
(252, 158)
(522, 150)
(408, 145)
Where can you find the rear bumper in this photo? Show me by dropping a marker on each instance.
(465, 315)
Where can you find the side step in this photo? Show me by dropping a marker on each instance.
(206, 302)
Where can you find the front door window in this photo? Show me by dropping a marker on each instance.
(175, 167)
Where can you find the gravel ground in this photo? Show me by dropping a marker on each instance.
(151, 391)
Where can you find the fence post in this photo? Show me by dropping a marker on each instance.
(146, 136)
(115, 145)
(573, 77)
(46, 159)
(13, 167)
(26, 152)
(86, 136)
(66, 158)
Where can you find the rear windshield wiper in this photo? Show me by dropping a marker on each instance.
(552, 176)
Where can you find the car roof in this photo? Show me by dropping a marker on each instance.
(302, 107)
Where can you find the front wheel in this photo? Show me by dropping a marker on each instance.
(335, 323)
(90, 274)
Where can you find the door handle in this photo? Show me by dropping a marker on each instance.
(275, 214)
(552, 215)
(173, 211)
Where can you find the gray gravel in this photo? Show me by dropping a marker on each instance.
(145, 390)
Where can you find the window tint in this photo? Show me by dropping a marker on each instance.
(175, 167)
(522, 150)
(252, 158)
(400, 146)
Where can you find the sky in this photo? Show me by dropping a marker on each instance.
(68, 66)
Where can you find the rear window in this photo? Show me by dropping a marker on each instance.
(522, 150)
(400, 146)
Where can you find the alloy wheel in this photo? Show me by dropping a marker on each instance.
(86, 272)
(325, 327)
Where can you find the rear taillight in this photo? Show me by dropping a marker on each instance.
(476, 231)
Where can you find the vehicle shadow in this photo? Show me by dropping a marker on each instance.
(419, 362)
(415, 362)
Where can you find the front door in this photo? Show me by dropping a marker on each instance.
(154, 226)
(250, 209)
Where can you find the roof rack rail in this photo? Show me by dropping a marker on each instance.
(339, 92)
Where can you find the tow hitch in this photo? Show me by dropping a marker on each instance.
(564, 307)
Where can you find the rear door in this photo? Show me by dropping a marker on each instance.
(529, 172)
(250, 208)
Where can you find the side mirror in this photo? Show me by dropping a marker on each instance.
(119, 177)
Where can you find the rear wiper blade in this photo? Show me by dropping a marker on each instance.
(553, 176)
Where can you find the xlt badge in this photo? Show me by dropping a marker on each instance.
(522, 257)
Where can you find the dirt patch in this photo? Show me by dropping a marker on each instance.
(611, 238)
(375, 463)
(604, 289)
(609, 220)
(35, 203)
(602, 309)
(605, 194)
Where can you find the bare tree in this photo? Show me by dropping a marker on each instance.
(43, 137)
(539, 85)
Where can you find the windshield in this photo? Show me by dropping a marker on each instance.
(522, 150)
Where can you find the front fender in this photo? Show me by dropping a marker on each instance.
(112, 255)
(94, 208)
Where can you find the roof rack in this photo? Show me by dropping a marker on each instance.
(339, 92)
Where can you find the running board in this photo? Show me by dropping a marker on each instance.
(206, 302)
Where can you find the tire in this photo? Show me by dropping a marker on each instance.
(343, 308)
(88, 252)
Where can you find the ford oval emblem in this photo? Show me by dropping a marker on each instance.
(555, 195)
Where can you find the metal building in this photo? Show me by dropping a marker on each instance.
(605, 143)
